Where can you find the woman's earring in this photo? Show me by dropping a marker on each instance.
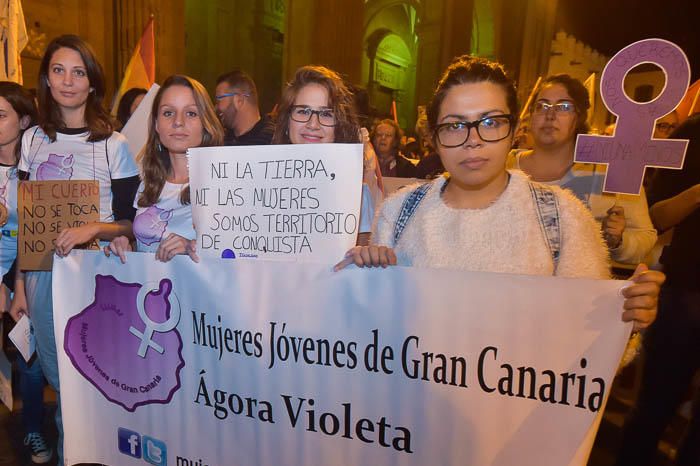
(160, 147)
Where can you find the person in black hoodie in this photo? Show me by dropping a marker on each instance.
(673, 343)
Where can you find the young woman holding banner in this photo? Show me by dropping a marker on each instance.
(75, 140)
(557, 116)
(17, 113)
(182, 117)
(317, 107)
(482, 217)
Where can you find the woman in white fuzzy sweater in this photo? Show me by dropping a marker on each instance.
(484, 218)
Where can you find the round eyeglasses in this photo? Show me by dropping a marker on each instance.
(666, 127)
(303, 114)
(492, 128)
(561, 108)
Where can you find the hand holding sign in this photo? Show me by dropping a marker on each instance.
(54, 215)
(614, 226)
(296, 202)
(631, 149)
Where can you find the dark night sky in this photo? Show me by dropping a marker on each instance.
(609, 25)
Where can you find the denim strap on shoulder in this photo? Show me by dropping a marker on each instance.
(409, 206)
(548, 216)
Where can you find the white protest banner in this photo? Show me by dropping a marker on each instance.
(23, 337)
(284, 202)
(256, 362)
(136, 129)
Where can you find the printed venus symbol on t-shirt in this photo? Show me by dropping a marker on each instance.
(150, 225)
(57, 167)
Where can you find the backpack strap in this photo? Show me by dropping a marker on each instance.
(31, 143)
(109, 168)
(548, 216)
(409, 206)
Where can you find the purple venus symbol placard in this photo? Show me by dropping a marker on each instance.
(126, 342)
(631, 149)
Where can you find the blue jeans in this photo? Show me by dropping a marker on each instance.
(37, 286)
(31, 387)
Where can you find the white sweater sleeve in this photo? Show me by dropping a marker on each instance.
(639, 236)
(583, 252)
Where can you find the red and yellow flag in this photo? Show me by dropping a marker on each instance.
(589, 84)
(690, 103)
(141, 70)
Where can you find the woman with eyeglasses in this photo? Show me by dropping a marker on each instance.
(557, 116)
(482, 217)
(317, 107)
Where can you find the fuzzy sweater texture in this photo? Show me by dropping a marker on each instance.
(504, 237)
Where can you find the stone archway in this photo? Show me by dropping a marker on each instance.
(389, 61)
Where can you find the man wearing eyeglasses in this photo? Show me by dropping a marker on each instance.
(236, 99)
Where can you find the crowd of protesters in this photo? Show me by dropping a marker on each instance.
(487, 178)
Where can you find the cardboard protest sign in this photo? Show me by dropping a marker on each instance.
(631, 148)
(283, 202)
(45, 208)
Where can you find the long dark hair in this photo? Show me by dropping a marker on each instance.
(156, 159)
(347, 128)
(22, 102)
(468, 69)
(99, 122)
(124, 108)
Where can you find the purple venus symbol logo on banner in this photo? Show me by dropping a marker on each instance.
(631, 149)
(146, 336)
(126, 342)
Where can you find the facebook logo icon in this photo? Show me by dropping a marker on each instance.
(129, 442)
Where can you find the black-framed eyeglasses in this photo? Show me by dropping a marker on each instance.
(666, 127)
(229, 94)
(492, 128)
(303, 113)
(563, 108)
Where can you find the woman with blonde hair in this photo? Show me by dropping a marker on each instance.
(182, 117)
